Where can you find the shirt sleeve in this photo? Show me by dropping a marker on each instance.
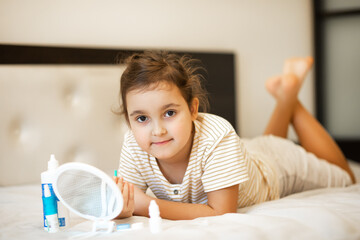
(128, 168)
(225, 165)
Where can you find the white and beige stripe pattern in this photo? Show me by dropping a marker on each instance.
(218, 160)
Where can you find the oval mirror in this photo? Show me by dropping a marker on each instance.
(88, 192)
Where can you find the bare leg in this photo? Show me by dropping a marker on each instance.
(312, 136)
(284, 90)
(315, 139)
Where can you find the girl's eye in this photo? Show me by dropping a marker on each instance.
(169, 113)
(141, 119)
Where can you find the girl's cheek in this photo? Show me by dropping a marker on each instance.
(142, 137)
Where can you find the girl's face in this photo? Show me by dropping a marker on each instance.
(161, 122)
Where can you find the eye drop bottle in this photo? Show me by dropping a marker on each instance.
(50, 211)
(155, 219)
(47, 179)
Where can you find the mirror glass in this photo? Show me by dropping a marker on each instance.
(88, 192)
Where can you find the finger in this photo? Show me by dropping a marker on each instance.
(121, 184)
(131, 191)
(116, 179)
(126, 194)
(131, 203)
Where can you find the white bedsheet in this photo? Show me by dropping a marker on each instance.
(319, 214)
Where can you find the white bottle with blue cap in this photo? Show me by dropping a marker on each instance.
(50, 201)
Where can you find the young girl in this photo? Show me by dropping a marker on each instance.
(195, 163)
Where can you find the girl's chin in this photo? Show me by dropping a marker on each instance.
(162, 157)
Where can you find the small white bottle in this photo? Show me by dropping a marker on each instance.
(155, 220)
(47, 180)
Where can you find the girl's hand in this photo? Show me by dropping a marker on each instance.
(127, 190)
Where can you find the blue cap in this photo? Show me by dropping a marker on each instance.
(123, 226)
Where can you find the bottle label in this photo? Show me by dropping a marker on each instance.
(62, 222)
(51, 204)
(50, 188)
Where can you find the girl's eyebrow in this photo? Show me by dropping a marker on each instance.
(170, 105)
(139, 112)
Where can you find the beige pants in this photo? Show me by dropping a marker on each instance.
(297, 169)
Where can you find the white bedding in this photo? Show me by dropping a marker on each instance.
(319, 214)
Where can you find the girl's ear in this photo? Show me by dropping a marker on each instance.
(194, 108)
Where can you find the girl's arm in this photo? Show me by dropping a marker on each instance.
(219, 202)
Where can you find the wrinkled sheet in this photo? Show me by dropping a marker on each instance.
(318, 214)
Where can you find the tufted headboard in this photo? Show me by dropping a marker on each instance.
(60, 100)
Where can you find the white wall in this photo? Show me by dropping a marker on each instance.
(261, 33)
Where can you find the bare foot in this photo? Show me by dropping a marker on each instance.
(284, 87)
(298, 66)
(272, 85)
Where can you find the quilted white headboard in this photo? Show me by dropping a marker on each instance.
(60, 109)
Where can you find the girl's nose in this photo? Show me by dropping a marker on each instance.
(158, 129)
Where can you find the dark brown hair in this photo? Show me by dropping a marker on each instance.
(150, 68)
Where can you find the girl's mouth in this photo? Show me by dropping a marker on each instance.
(160, 143)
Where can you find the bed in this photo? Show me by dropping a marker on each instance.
(332, 213)
(60, 101)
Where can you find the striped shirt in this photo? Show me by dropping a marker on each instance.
(218, 160)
